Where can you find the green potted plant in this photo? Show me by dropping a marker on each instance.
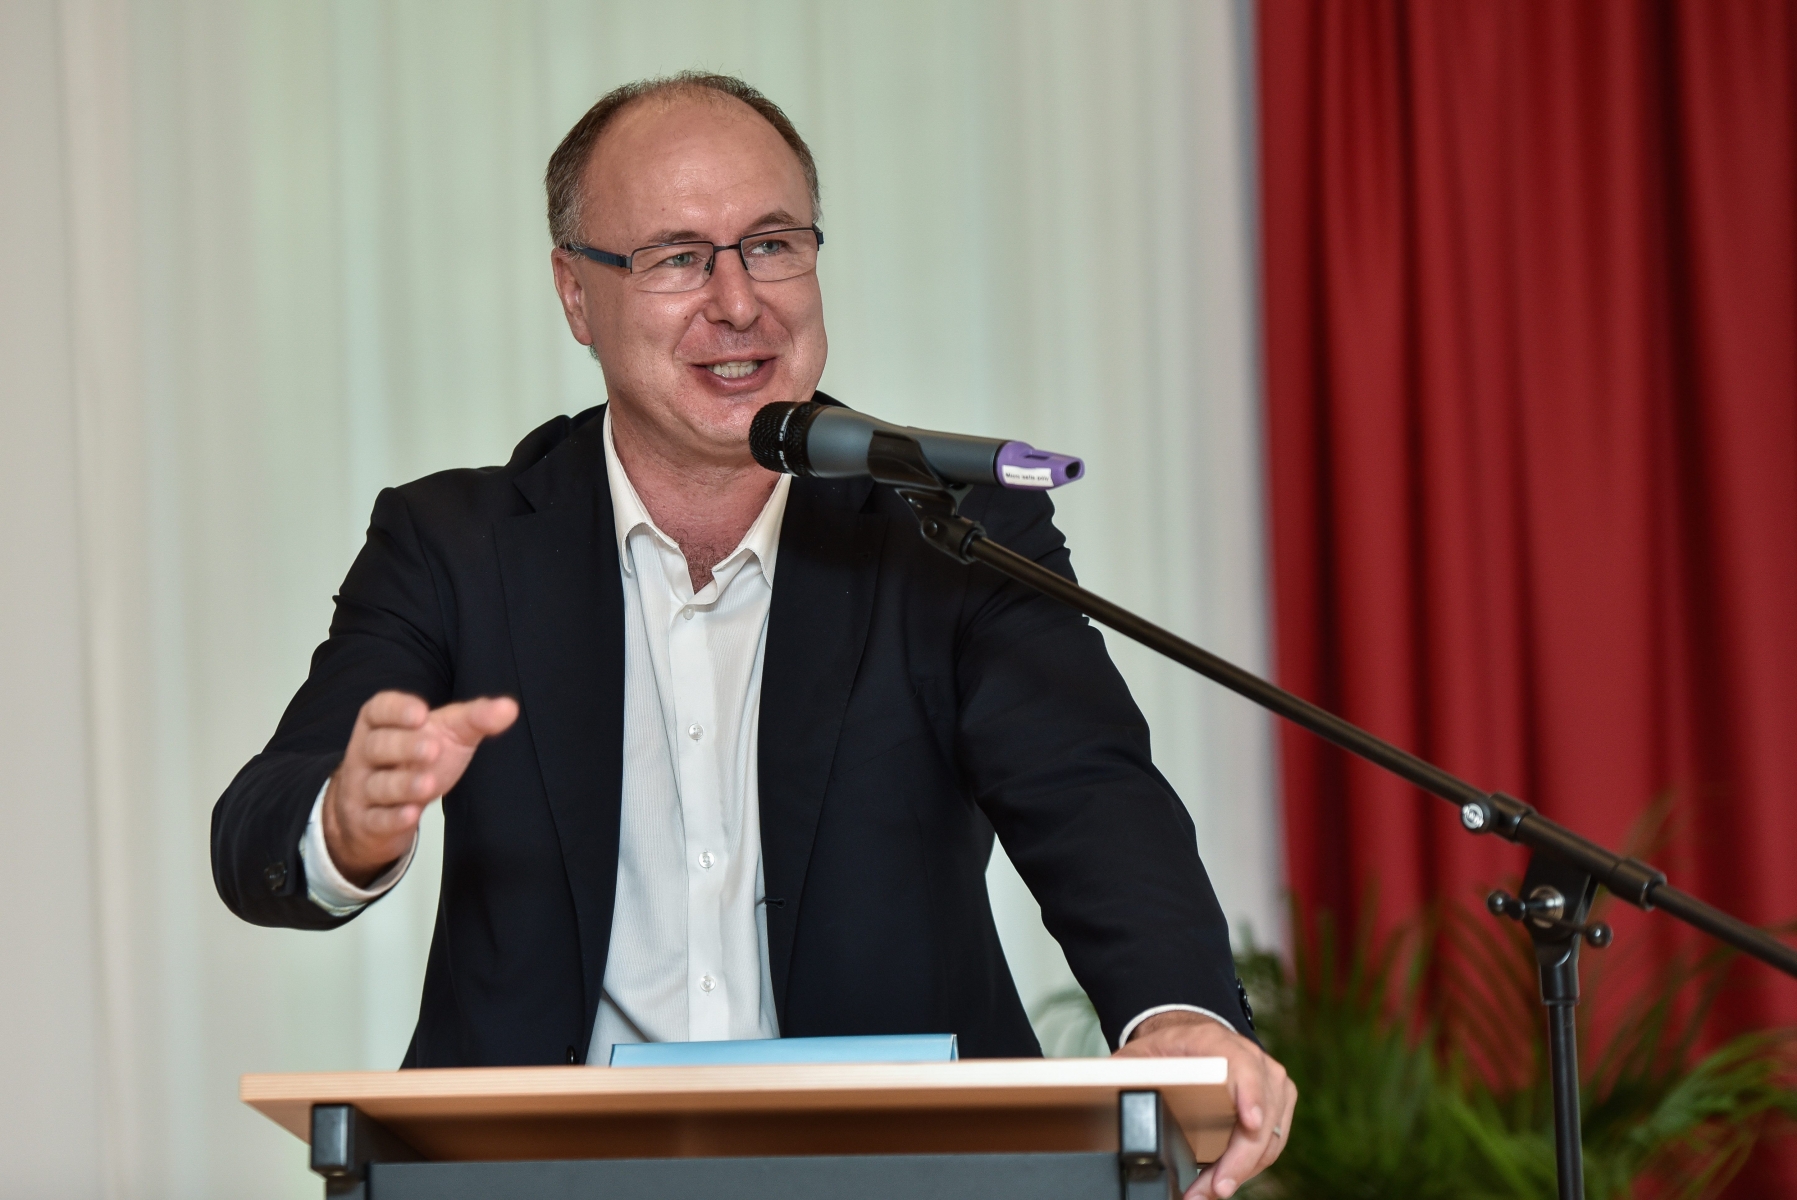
(1400, 1102)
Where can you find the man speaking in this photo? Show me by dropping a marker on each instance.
(722, 752)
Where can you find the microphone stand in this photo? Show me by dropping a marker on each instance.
(1564, 871)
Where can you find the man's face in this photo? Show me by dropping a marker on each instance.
(691, 369)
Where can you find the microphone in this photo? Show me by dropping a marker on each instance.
(829, 441)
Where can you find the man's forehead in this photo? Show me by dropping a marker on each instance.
(671, 166)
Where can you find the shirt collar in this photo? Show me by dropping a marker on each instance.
(628, 515)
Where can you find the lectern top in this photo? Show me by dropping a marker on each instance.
(978, 1105)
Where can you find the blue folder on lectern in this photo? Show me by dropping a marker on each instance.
(880, 1048)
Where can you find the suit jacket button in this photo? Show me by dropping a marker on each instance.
(276, 875)
(572, 1060)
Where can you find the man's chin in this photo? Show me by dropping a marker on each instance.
(723, 420)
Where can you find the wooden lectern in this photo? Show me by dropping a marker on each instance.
(1045, 1129)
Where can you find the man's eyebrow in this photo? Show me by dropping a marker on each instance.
(778, 219)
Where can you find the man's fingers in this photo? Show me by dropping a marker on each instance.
(1240, 1159)
(496, 714)
(401, 758)
(1281, 1131)
(395, 708)
(400, 786)
(398, 747)
(472, 720)
(1250, 1094)
(1237, 1164)
(391, 821)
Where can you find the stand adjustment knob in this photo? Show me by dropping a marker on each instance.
(1503, 904)
(1545, 909)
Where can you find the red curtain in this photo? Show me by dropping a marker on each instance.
(1531, 330)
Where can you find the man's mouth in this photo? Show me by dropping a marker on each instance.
(735, 370)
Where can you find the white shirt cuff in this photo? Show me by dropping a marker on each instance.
(1123, 1038)
(325, 884)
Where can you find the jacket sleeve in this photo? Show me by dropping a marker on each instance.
(389, 632)
(1057, 755)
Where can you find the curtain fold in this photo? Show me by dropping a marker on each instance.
(1531, 329)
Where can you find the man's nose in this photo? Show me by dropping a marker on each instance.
(732, 292)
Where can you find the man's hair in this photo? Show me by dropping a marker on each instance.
(566, 165)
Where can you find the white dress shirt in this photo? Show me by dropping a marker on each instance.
(688, 959)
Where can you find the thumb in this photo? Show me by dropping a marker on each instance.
(471, 720)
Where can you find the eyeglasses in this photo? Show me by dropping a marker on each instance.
(686, 266)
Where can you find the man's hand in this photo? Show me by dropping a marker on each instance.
(401, 756)
(1264, 1096)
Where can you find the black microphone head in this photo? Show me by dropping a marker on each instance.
(777, 436)
(764, 435)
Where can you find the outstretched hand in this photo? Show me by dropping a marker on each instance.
(402, 756)
(1265, 1096)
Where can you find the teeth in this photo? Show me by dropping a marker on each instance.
(734, 370)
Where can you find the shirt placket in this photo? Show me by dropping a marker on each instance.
(702, 799)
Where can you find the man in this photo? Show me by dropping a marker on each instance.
(743, 740)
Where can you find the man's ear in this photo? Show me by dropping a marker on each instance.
(572, 291)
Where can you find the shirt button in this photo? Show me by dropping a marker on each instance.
(695, 731)
(687, 612)
(705, 860)
(706, 983)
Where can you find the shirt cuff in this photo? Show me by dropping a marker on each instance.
(1157, 1010)
(325, 884)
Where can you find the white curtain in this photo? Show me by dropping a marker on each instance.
(261, 259)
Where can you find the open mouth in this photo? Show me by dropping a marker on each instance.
(740, 369)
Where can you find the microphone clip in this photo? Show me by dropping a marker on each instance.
(898, 461)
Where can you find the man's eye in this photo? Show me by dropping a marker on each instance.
(686, 258)
(770, 248)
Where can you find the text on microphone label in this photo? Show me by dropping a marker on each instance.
(1012, 476)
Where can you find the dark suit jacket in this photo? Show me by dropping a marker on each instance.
(911, 706)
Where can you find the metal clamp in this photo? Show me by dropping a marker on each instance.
(1154, 1159)
(345, 1141)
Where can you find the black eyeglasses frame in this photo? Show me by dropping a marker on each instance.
(607, 258)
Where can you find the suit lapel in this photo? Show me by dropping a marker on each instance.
(824, 582)
(565, 608)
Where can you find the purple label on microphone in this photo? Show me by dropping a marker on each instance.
(1022, 466)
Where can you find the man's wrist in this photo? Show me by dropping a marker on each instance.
(342, 863)
(357, 871)
(326, 885)
(1164, 1015)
